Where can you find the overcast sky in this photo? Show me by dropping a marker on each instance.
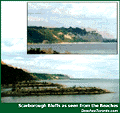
(14, 50)
(100, 16)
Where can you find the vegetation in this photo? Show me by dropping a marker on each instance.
(23, 83)
(58, 35)
(44, 51)
(110, 40)
(45, 76)
(11, 75)
(39, 35)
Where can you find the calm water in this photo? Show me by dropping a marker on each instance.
(109, 84)
(96, 48)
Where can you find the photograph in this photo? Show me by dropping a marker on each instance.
(79, 43)
(72, 27)
(38, 79)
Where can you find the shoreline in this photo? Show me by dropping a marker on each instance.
(48, 88)
(56, 91)
(72, 43)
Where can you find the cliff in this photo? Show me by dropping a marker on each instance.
(45, 76)
(59, 35)
(10, 74)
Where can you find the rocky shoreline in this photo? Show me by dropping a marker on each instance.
(32, 84)
(37, 89)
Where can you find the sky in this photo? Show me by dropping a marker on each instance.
(101, 16)
(14, 51)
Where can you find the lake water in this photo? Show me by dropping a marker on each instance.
(80, 48)
(109, 84)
